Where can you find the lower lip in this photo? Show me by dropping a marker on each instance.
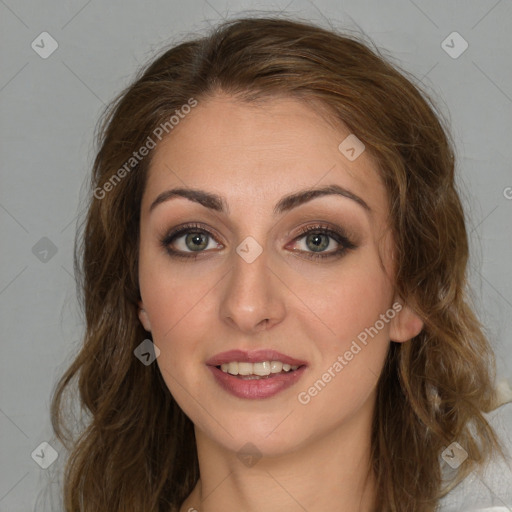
(256, 388)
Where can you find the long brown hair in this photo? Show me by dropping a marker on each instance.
(137, 449)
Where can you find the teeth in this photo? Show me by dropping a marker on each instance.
(276, 366)
(244, 368)
(261, 368)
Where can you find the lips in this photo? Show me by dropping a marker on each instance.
(253, 356)
(249, 388)
(256, 389)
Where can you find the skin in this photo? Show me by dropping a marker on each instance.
(314, 456)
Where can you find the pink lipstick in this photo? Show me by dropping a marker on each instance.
(261, 382)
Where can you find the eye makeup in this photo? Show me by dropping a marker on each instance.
(199, 234)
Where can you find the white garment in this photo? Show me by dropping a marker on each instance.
(489, 489)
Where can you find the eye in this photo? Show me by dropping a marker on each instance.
(319, 238)
(189, 241)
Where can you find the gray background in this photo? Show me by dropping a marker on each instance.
(49, 108)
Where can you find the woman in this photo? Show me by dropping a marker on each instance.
(274, 279)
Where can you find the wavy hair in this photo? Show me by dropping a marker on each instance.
(137, 449)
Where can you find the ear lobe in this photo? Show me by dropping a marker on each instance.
(143, 317)
(405, 325)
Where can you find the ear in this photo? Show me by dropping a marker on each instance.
(406, 324)
(143, 317)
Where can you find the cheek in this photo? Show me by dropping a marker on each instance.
(351, 353)
(347, 302)
(174, 295)
(350, 335)
(180, 312)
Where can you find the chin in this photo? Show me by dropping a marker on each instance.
(269, 436)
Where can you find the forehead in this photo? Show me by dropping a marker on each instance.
(257, 153)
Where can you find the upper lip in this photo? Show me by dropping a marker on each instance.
(252, 356)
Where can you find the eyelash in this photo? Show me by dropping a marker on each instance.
(338, 236)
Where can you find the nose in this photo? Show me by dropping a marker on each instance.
(253, 296)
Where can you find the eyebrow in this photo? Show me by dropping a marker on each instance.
(218, 203)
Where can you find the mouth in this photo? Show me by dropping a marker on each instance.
(257, 374)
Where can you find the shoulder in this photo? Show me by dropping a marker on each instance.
(489, 489)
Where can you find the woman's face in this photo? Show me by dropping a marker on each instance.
(230, 268)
